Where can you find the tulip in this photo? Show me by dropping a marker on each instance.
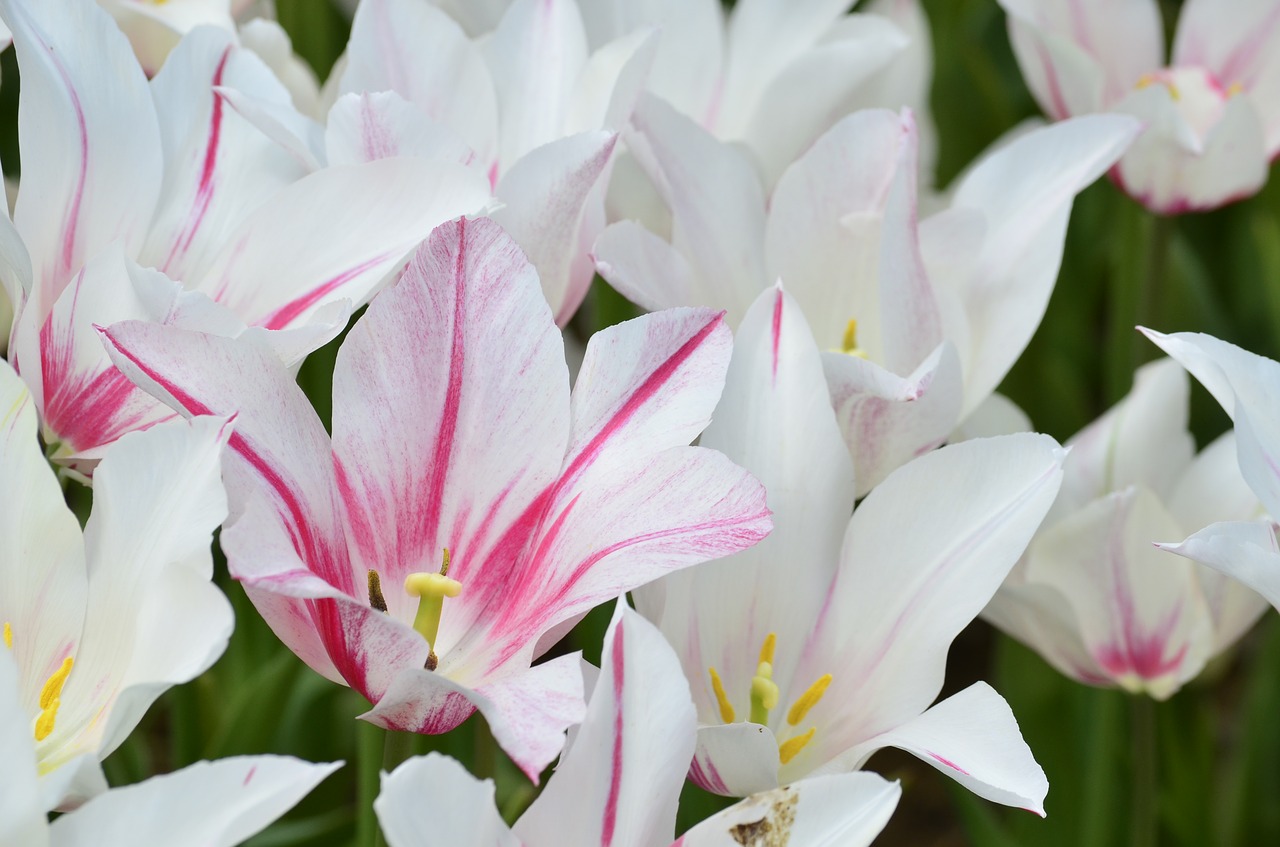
(1212, 114)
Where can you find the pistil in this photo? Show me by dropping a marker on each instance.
(431, 589)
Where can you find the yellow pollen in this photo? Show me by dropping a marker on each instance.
(431, 589)
(768, 647)
(1144, 81)
(8, 635)
(849, 345)
(44, 723)
(788, 749)
(1234, 89)
(53, 687)
(808, 700)
(727, 714)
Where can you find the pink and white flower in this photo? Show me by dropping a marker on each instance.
(619, 779)
(828, 641)
(462, 469)
(99, 623)
(922, 318)
(163, 173)
(1212, 114)
(209, 803)
(1093, 594)
(1248, 388)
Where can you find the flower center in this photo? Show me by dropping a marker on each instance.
(431, 589)
(1197, 95)
(764, 697)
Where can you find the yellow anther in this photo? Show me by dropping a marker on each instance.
(1173, 91)
(44, 723)
(788, 749)
(52, 689)
(768, 647)
(808, 700)
(1144, 81)
(849, 346)
(727, 714)
(1234, 89)
(8, 635)
(431, 589)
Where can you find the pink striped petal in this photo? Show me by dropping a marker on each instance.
(735, 759)
(366, 127)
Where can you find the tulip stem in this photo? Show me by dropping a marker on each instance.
(369, 753)
(1144, 797)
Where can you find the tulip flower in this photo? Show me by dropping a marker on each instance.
(1093, 595)
(165, 174)
(828, 641)
(211, 804)
(1246, 385)
(619, 780)
(923, 319)
(1212, 114)
(464, 513)
(99, 623)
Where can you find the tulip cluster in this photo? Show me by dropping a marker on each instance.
(769, 486)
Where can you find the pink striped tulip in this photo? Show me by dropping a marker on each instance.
(1212, 113)
(465, 512)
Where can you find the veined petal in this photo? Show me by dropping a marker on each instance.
(153, 618)
(284, 261)
(535, 56)
(553, 207)
(886, 419)
(775, 419)
(451, 420)
(433, 801)
(716, 201)
(1234, 40)
(87, 126)
(43, 586)
(218, 166)
(902, 593)
(973, 738)
(219, 804)
(811, 92)
(22, 816)
(1243, 550)
(822, 237)
(419, 52)
(1025, 191)
(370, 126)
(836, 810)
(527, 711)
(615, 786)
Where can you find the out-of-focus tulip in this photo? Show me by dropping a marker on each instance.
(1094, 595)
(1212, 113)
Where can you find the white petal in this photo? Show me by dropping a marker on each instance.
(22, 816)
(1246, 551)
(973, 738)
(432, 801)
(735, 759)
(366, 127)
(218, 804)
(997, 415)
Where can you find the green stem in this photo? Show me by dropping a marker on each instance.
(1155, 283)
(1144, 797)
(484, 763)
(369, 753)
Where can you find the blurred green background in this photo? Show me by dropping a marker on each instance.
(1218, 740)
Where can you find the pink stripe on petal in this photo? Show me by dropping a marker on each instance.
(777, 330)
(615, 775)
(282, 317)
(949, 763)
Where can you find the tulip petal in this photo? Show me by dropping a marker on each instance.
(432, 801)
(973, 738)
(366, 127)
(616, 786)
(735, 759)
(837, 810)
(91, 143)
(22, 816)
(219, 804)
(645, 268)
(1243, 550)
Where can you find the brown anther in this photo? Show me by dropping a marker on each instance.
(376, 600)
(432, 661)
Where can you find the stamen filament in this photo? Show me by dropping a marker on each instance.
(727, 714)
(808, 700)
(788, 749)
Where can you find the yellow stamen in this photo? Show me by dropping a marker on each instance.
(849, 346)
(808, 700)
(768, 647)
(53, 687)
(764, 694)
(727, 714)
(788, 749)
(1234, 89)
(431, 589)
(8, 635)
(1173, 91)
(1144, 81)
(44, 723)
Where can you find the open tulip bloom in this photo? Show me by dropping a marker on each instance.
(100, 623)
(1248, 388)
(1094, 595)
(466, 510)
(922, 318)
(829, 640)
(213, 804)
(616, 787)
(165, 175)
(1212, 114)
